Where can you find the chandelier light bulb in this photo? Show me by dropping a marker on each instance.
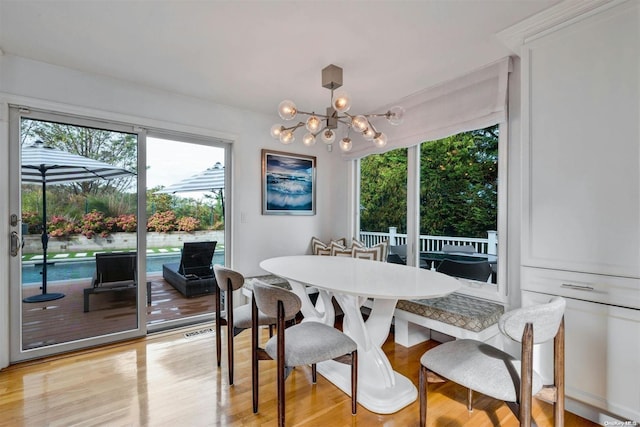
(396, 115)
(368, 134)
(287, 110)
(328, 136)
(346, 144)
(313, 124)
(286, 137)
(308, 139)
(359, 123)
(380, 140)
(275, 130)
(341, 101)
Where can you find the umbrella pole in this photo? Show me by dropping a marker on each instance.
(44, 296)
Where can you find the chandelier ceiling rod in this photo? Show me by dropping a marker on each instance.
(326, 125)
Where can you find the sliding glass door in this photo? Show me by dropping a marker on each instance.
(74, 202)
(185, 228)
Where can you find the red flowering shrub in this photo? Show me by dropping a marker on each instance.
(188, 223)
(59, 226)
(33, 220)
(162, 221)
(94, 223)
(126, 223)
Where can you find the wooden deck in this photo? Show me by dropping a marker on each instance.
(64, 320)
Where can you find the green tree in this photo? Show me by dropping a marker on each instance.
(383, 191)
(74, 199)
(458, 186)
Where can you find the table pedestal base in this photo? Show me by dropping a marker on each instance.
(381, 400)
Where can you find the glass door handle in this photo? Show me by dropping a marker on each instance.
(15, 247)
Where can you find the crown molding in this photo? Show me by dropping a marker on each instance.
(560, 14)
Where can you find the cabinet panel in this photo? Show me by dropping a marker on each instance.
(582, 143)
(620, 291)
(602, 346)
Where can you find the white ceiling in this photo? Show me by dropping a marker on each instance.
(253, 54)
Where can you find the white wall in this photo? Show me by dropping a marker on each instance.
(255, 237)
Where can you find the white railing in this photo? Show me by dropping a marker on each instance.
(433, 243)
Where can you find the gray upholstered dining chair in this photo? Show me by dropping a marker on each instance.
(305, 343)
(492, 372)
(236, 319)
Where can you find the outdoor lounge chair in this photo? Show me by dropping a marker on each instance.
(193, 276)
(115, 271)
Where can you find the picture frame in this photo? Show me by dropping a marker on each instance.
(288, 183)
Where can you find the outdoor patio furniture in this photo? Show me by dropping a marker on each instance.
(193, 275)
(115, 271)
(459, 248)
(472, 270)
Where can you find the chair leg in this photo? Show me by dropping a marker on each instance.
(280, 363)
(218, 327)
(526, 376)
(314, 373)
(469, 400)
(254, 354)
(423, 395)
(229, 298)
(354, 382)
(558, 374)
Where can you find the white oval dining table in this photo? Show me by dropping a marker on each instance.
(351, 282)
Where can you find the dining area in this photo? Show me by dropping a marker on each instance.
(172, 377)
(334, 315)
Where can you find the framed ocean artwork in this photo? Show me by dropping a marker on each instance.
(288, 183)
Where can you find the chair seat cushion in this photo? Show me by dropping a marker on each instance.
(311, 342)
(478, 366)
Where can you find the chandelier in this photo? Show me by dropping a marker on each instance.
(326, 125)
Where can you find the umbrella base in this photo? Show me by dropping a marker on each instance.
(43, 297)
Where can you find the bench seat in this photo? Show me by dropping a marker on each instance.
(456, 315)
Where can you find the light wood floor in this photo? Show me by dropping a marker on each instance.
(168, 380)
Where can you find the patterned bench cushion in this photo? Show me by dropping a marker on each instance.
(458, 310)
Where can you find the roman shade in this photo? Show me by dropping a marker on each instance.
(472, 101)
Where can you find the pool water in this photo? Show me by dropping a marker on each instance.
(69, 270)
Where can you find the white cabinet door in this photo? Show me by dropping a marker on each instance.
(602, 347)
(581, 109)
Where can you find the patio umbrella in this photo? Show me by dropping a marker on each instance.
(208, 180)
(46, 165)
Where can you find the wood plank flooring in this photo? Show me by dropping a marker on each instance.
(169, 380)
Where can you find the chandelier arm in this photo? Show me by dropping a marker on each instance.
(386, 115)
(324, 116)
(294, 127)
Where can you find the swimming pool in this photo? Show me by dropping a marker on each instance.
(70, 270)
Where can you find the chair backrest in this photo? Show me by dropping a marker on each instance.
(267, 296)
(400, 250)
(228, 279)
(196, 258)
(545, 318)
(115, 267)
(459, 248)
(395, 259)
(472, 270)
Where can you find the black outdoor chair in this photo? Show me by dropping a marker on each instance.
(472, 270)
(115, 271)
(193, 275)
